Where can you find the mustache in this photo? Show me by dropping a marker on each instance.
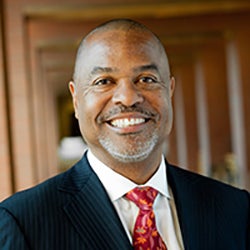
(123, 109)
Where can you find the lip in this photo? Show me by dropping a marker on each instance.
(128, 123)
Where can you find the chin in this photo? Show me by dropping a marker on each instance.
(128, 152)
(125, 158)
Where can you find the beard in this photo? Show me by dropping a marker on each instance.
(135, 148)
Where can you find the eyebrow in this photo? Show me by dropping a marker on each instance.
(97, 70)
(147, 67)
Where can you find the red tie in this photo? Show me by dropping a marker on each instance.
(146, 236)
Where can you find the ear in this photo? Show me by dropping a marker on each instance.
(172, 86)
(72, 88)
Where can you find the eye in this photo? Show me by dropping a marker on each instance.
(147, 79)
(148, 82)
(103, 82)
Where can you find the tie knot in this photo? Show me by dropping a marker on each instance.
(143, 197)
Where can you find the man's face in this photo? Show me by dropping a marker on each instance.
(122, 96)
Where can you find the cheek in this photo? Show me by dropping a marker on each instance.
(90, 106)
(159, 101)
(87, 109)
(163, 104)
(87, 112)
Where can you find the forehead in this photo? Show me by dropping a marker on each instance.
(129, 42)
(121, 49)
(123, 35)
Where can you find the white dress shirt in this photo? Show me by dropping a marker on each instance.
(117, 186)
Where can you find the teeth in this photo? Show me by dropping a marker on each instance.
(123, 123)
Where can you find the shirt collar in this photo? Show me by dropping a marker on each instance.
(123, 185)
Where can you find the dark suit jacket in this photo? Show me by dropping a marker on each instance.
(72, 211)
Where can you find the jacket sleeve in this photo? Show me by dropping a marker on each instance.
(11, 236)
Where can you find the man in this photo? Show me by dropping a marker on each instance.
(122, 90)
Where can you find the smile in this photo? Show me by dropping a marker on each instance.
(127, 122)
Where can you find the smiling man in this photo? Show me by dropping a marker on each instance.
(122, 93)
(123, 194)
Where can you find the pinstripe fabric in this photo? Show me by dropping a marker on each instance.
(212, 215)
(73, 211)
(69, 212)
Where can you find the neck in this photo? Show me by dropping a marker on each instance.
(139, 172)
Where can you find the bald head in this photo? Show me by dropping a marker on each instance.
(121, 24)
(126, 26)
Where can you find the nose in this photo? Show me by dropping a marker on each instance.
(127, 94)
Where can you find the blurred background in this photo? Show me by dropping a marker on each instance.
(208, 46)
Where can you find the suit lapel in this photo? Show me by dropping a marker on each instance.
(91, 211)
(195, 209)
(94, 217)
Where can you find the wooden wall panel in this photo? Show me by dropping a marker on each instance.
(189, 102)
(19, 96)
(242, 41)
(5, 166)
(214, 67)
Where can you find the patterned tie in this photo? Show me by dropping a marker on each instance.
(146, 236)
